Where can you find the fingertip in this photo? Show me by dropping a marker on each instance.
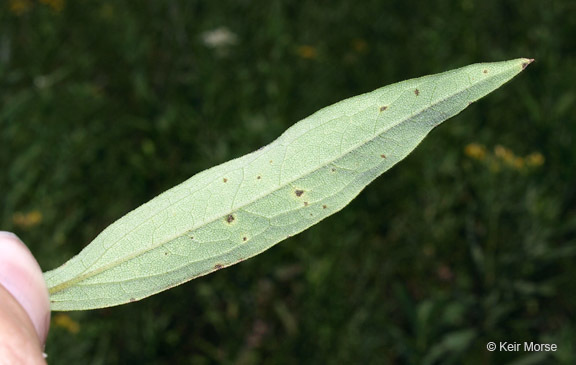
(21, 275)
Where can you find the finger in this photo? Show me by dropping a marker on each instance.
(19, 343)
(22, 277)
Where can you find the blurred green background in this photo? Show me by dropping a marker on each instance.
(105, 104)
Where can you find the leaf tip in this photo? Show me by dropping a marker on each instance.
(526, 62)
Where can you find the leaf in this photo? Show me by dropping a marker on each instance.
(240, 208)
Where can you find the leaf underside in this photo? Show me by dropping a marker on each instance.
(236, 210)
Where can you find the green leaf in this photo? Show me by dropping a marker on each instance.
(240, 208)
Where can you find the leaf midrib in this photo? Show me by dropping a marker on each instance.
(68, 283)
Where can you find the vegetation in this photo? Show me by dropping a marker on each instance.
(105, 104)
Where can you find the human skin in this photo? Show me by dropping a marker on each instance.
(24, 304)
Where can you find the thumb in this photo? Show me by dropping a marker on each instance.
(24, 303)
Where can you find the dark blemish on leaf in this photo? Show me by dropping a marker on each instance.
(485, 71)
(383, 155)
(270, 161)
(218, 266)
(259, 177)
(416, 92)
(230, 218)
(524, 64)
(299, 193)
(324, 206)
(225, 179)
(310, 214)
(244, 239)
(333, 170)
(165, 253)
(382, 108)
(305, 204)
(132, 300)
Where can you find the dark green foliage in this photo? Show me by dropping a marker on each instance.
(104, 104)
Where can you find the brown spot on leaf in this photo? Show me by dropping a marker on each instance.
(383, 155)
(258, 177)
(230, 218)
(132, 300)
(333, 170)
(225, 179)
(298, 192)
(218, 266)
(382, 108)
(416, 92)
(165, 253)
(305, 204)
(244, 239)
(324, 206)
(524, 64)
(485, 71)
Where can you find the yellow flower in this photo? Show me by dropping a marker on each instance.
(502, 152)
(535, 159)
(507, 156)
(107, 11)
(307, 52)
(27, 220)
(359, 45)
(56, 5)
(518, 163)
(64, 321)
(503, 157)
(20, 7)
(475, 151)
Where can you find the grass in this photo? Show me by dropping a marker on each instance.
(105, 104)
